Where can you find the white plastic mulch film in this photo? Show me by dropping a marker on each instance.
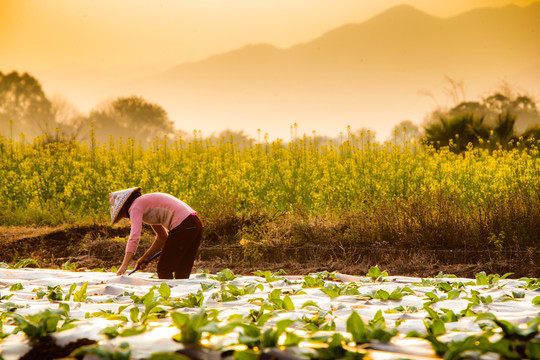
(398, 317)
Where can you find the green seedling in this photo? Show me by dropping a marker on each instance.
(278, 303)
(206, 287)
(69, 266)
(110, 314)
(16, 287)
(401, 309)
(334, 290)
(42, 324)
(269, 276)
(5, 297)
(477, 299)
(10, 306)
(450, 295)
(122, 352)
(532, 284)
(224, 276)
(21, 264)
(335, 347)
(80, 296)
(70, 291)
(310, 303)
(384, 295)
(374, 330)
(193, 326)
(321, 320)
(312, 282)
(491, 279)
(191, 301)
(254, 337)
(376, 274)
(165, 291)
(260, 316)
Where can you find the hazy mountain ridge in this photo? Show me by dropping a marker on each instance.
(367, 74)
(350, 74)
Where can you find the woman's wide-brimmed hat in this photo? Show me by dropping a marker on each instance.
(117, 199)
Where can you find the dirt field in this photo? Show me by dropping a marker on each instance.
(98, 246)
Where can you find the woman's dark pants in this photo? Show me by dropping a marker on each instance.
(180, 249)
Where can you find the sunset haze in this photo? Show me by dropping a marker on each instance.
(248, 65)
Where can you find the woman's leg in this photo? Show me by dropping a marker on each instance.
(180, 249)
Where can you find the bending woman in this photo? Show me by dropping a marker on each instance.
(178, 230)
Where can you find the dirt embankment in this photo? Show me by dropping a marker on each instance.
(99, 246)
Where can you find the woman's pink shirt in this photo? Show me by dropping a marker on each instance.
(155, 209)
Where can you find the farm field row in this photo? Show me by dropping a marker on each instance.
(320, 316)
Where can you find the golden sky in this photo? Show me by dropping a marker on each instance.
(41, 34)
(87, 50)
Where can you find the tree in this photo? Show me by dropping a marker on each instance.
(23, 105)
(67, 119)
(503, 130)
(231, 136)
(131, 117)
(503, 116)
(460, 130)
(532, 135)
(522, 107)
(405, 131)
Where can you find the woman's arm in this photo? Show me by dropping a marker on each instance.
(157, 245)
(127, 258)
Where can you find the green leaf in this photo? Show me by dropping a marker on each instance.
(292, 340)
(70, 292)
(80, 296)
(133, 331)
(134, 314)
(433, 297)
(506, 275)
(533, 349)
(382, 295)
(179, 319)
(148, 297)
(168, 356)
(330, 292)
(536, 300)
(432, 314)
(24, 263)
(287, 303)
(375, 273)
(16, 287)
(64, 307)
(454, 294)
(206, 287)
(246, 355)
(481, 279)
(357, 328)
(437, 327)
(310, 303)
(164, 291)
(282, 325)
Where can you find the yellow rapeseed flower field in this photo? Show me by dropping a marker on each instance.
(68, 181)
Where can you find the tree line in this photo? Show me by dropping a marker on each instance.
(24, 108)
(501, 119)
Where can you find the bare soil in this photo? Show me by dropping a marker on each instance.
(47, 349)
(101, 247)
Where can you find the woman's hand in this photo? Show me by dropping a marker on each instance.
(141, 263)
(121, 270)
(125, 263)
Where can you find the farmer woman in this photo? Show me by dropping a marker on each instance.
(178, 230)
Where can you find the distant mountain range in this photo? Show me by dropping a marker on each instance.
(367, 75)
